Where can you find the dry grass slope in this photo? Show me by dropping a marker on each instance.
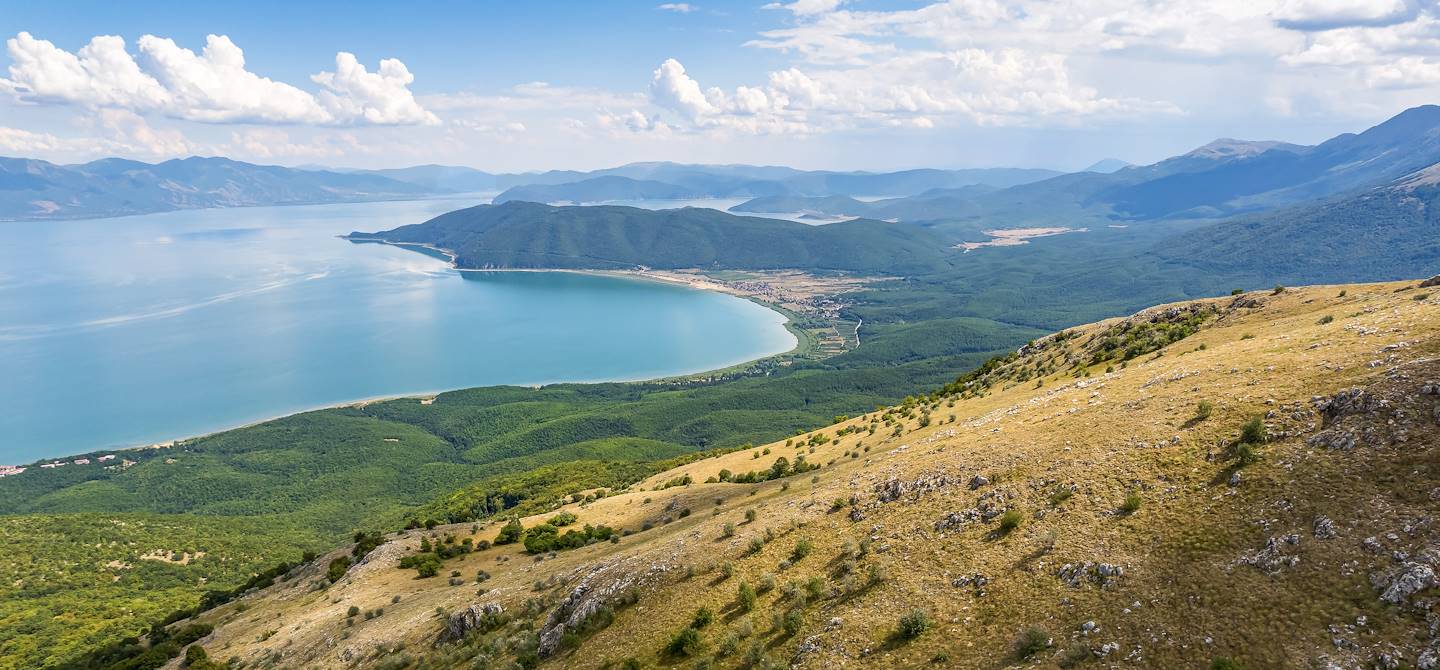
(1082, 518)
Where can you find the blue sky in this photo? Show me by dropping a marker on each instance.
(814, 83)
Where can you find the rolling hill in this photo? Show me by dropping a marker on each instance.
(528, 235)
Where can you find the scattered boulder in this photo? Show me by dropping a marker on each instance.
(1409, 579)
(1076, 574)
(894, 489)
(1273, 557)
(1433, 281)
(1234, 478)
(1324, 528)
(475, 617)
(597, 590)
(978, 481)
(1347, 402)
(1334, 439)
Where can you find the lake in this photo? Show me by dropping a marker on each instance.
(137, 330)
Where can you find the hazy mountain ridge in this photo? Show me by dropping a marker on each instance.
(36, 189)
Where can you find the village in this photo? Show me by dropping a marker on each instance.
(12, 470)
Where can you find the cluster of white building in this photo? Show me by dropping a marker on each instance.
(10, 470)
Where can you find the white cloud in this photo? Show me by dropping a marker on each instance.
(1330, 14)
(214, 86)
(806, 7)
(679, 7)
(671, 88)
(382, 97)
(210, 87)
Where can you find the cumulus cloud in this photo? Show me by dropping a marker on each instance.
(382, 97)
(212, 86)
(679, 7)
(672, 88)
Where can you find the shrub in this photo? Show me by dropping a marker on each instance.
(1253, 432)
(802, 549)
(749, 516)
(757, 544)
(1010, 520)
(1246, 454)
(745, 597)
(353, 611)
(766, 584)
(728, 530)
(792, 621)
(1203, 410)
(563, 519)
(685, 643)
(703, 617)
(1324, 320)
(1223, 663)
(337, 569)
(1032, 641)
(1061, 495)
(1132, 503)
(510, 533)
(913, 624)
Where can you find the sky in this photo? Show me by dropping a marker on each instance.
(818, 84)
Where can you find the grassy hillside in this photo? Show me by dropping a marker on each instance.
(253, 497)
(529, 235)
(1190, 487)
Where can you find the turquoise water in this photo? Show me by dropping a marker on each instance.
(137, 330)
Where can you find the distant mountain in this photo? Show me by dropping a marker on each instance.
(830, 205)
(598, 189)
(1107, 165)
(939, 203)
(1221, 179)
(730, 181)
(529, 235)
(1376, 233)
(441, 178)
(35, 189)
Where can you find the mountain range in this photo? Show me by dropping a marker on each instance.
(36, 189)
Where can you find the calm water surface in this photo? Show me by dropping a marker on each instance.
(141, 329)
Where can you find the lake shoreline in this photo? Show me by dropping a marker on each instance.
(799, 336)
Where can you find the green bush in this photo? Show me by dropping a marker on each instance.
(913, 624)
(1203, 410)
(745, 597)
(337, 569)
(1223, 663)
(563, 519)
(1032, 641)
(1132, 503)
(703, 617)
(685, 644)
(1253, 432)
(803, 547)
(511, 532)
(1010, 520)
